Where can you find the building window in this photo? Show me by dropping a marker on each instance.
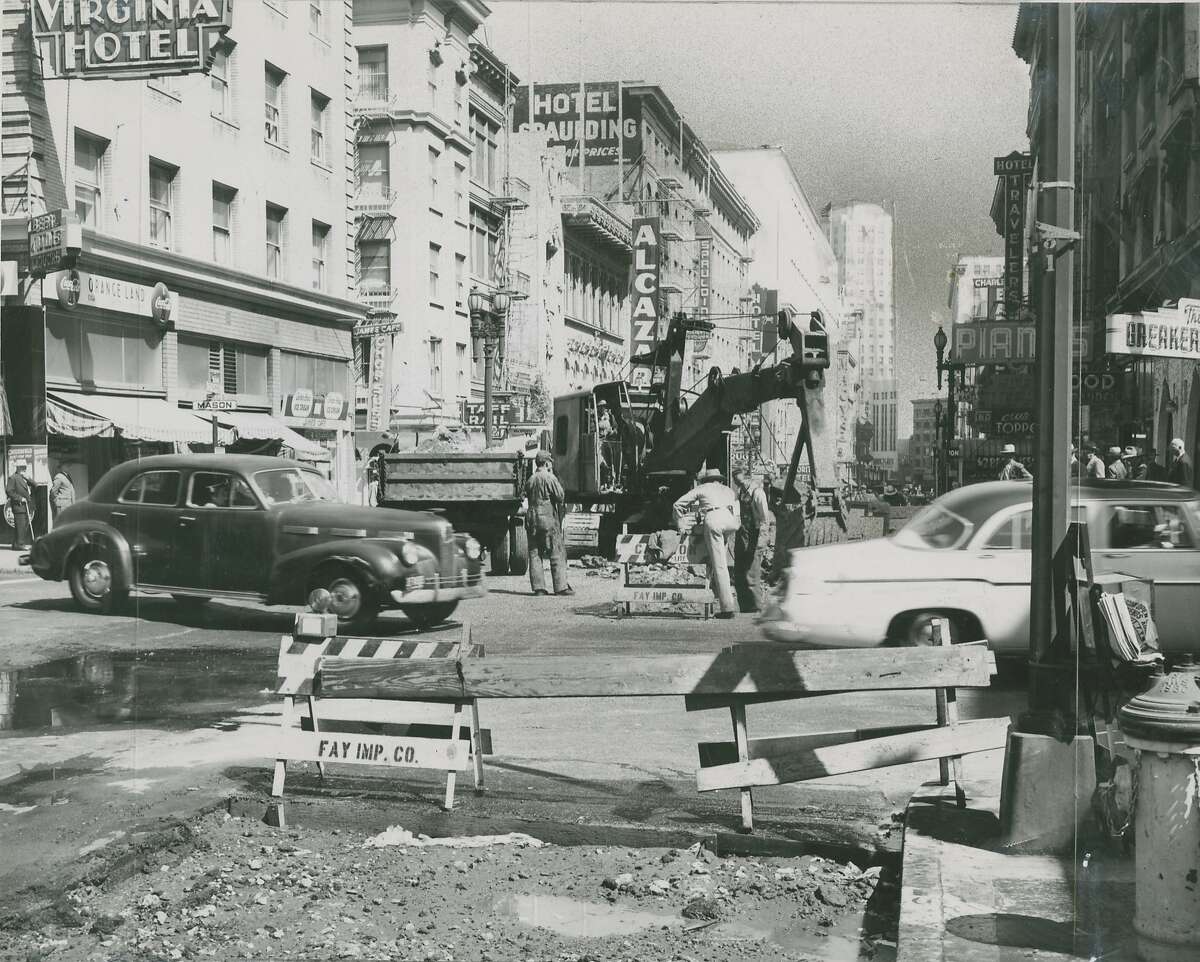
(274, 237)
(222, 223)
(89, 178)
(238, 368)
(434, 160)
(460, 191)
(273, 97)
(435, 366)
(321, 375)
(435, 261)
(122, 351)
(320, 113)
(372, 74)
(218, 78)
(483, 247)
(431, 82)
(460, 371)
(167, 84)
(162, 203)
(374, 266)
(484, 135)
(374, 175)
(320, 247)
(316, 19)
(460, 280)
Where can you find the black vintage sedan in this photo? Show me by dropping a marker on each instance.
(257, 528)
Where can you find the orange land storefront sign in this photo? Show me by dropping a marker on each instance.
(73, 287)
(120, 39)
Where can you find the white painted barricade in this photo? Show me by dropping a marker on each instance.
(313, 735)
(664, 593)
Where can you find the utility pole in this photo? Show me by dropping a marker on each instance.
(1055, 205)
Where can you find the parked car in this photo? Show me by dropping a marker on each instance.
(967, 557)
(265, 529)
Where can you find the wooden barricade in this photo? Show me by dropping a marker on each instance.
(419, 733)
(665, 593)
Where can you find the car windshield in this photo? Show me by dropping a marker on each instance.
(293, 486)
(934, 527)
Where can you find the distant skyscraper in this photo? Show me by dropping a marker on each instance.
(861, 235)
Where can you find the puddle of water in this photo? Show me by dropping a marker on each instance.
(578, 919)
(839, 943)
(191, 686)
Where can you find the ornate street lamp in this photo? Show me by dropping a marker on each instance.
(952, 370)
(487, 325)
(939, 345)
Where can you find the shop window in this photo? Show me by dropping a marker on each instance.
(162, 203)
(222, 223)
(117, 351)
(240, 369)
(219, 79)
(89, 178)
(152, 487)
(275, 130)
(319, 112)
(372, 74)
(320, 251)
(276, 219)
(317, 374)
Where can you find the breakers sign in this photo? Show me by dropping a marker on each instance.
(600, 117)
(1166, 333)
(117, 39)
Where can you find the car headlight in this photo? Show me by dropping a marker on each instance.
(472, 549)
(410, 554)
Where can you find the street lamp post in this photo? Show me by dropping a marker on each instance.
(487, 325)
(955, 374)
(938, 458)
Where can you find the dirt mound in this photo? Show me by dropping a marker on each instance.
(448, 440)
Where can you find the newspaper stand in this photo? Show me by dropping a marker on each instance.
(332, 729)
(664, 595)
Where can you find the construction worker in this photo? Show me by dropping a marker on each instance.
(545, 505)
(747, 559)
(1013, 470)
(19, 491)
(715, 507)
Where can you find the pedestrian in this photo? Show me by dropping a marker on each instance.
(1116, 467)
(62, 492)
(1179, 467)
(714, 506)
(610, 447)
(19, 491)
(1095, 467)
(545, 505)
(1132, 462)
(1154, 470)
(1073, 464)
(747, 559)
(1013, 470)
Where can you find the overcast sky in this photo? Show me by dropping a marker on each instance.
(903, 102)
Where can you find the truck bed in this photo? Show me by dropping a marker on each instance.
(415, 477)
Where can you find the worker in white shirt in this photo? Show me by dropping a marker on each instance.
(715, 508)
(747, 559)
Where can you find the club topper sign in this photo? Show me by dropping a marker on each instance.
(127, 39)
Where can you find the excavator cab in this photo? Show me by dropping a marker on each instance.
(595, 441)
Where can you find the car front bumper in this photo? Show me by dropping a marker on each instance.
(430, 589)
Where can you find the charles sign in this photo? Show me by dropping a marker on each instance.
(121, 39)
(1166, 333)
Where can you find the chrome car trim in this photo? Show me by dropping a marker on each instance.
(299, 529)
(202, 592)
(349, 532)
(430, 595)
(402, 535)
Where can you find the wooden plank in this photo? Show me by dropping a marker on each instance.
(385, 713)
(966, 738)
(741, 669)
(723, 753)
(947, 714)
(388, 751)
(742, 744)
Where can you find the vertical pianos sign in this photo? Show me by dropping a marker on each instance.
(117, 39)
(1014, 172)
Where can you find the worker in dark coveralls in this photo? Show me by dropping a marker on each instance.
(19, 491)
(747, 559)
(545, 507)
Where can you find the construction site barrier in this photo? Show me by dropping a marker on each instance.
(732, 678)
(422, 733)
(670, 588)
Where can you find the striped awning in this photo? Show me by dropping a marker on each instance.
(137, 418)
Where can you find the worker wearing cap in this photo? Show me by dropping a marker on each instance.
(715, 508)
(545, 505)
(19, 492)
(1013, 470)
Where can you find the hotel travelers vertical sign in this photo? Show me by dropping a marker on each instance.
(127, 39)
(1014, 171)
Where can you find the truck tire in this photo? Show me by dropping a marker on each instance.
(518, 550)
(499, 552)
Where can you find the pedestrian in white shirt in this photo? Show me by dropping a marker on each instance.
(715, 507)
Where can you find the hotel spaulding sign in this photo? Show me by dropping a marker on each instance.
(127, 39)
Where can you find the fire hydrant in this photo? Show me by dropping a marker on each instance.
(1163, 725)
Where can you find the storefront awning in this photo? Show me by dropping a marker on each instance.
(259, 426)
(140, 419)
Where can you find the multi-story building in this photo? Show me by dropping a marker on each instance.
(215, 248)
(923, 445)
(1137, 207)
(862, 238)
(793, 256)
(976, 288)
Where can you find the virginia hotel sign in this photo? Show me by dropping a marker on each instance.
(118, 39)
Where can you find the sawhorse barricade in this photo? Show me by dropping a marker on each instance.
(746, 763)
(433, 729)
(732, 678)
(652, 597)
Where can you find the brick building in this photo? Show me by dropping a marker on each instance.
(187, 198)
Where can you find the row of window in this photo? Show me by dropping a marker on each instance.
(375, 263)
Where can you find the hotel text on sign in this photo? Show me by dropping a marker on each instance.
(118, 39)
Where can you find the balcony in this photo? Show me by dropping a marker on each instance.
(374, 199)
(378, 297)
(373, 100)
(591, 217)
(516, 194)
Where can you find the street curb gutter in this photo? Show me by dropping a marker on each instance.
(47, 900)
(922, 911)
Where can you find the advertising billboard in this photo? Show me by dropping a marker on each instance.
(600, 116)
(1165, 333)
(127, 39)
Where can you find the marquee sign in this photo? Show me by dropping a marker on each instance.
(599, 116)
(994, 342)
(1165, 333)
(127, 39)
(646, 275)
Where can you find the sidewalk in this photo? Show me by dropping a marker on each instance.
(8, 561)
(962, 902)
